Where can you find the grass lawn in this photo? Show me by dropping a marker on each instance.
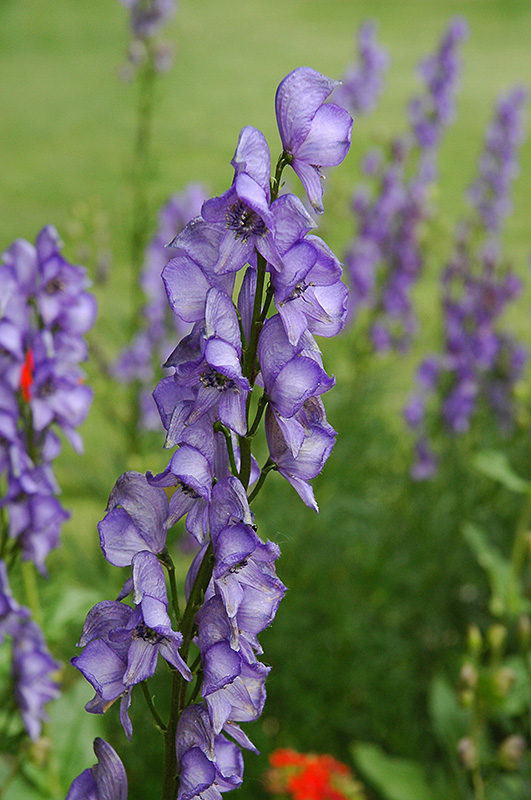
(355, 648)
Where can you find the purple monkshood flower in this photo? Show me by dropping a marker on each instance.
(243, 212)
(106, 780)
(32, 668)
(208, 764)
(191, 273)
(121, 644)
(11, 613)
(385, 259)
(191, 472)
(478, 363)
(362, 85)
(314, 134)
(490, 192)
(45, 310)
(140, 361)
(290, 373)
(149, 16)
(136, 520)
(207, 365)
(241, 601)
(432, 111)
(309, 294)
(32, 665)
(300, 446)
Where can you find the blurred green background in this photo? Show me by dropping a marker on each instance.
(381, 585)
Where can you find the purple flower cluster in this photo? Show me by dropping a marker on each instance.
(44, 312)
(431, 112)
(479, 363)
(147, 18)
(362, 84)
(206, 406)
(141, 360)
(490, 192)
(32, 666)
(385, 260)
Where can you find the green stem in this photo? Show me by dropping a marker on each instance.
(178, 689)
(167, 561)
(518, 555)
(159, 723)
(262, 403)
(264, 472)
(140, 176)
(197, 687)
(283, 160)
(220, 428)
(170, 783)
(249, 361)
(31, 590)
(267, 302)
(4, 533)
(13, 772)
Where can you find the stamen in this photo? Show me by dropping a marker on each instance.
(214, 380)
(146, 634)
(244, 221)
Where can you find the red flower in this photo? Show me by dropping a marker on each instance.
(307, 776)
(26, 376)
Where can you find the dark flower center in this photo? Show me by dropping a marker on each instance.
(187, 490)
(47, 388)
(240, 565)
(215, 380)
(244, 222)
(146, 634)
(54, 285)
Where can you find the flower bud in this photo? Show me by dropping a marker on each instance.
(475, 640)
(467, 752)
(468, 677)
(511, 752)
(496, 637)
(467, 697)
(524, 630)
(504, 679)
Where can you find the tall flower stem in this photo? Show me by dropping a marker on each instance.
(249, 363)
(167, 560)
(178, 689)
(140, 177)
(520, 546)
(140, 174)
(31, 590)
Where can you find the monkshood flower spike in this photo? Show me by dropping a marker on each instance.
(243, 368)
(479, 364)
(45, 310)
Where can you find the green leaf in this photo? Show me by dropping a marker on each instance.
(450, 721)
(497, 567)
(395, 778)
(496, 465)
